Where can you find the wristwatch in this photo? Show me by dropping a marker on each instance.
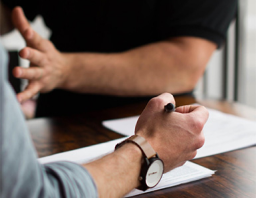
(152, 166)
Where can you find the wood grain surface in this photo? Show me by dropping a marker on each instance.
(236, 170)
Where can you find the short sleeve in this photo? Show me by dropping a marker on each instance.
(206, 19)
(30, 7)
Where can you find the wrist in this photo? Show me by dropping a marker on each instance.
(152, 166)
(66, 69)
(120, 169)
(130, 153)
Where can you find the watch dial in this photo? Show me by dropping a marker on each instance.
(154, 173)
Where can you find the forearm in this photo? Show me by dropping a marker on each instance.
(118, 173)
(5, 19)
(167, 66)
(174, 65)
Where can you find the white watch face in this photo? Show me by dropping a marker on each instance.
(154, 173)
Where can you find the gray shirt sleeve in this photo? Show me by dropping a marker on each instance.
(21, 175)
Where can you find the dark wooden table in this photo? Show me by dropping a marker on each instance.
(236, 170)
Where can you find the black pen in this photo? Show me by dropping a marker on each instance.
(169, 108)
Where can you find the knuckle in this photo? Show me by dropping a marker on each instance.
(168, 95)
(197, 125)
(39, 42)
(32, 73)
(193, 155)
(155, 102)
(46, 44)
(41, 61)
(25, 73)
(27, 34)
(200, 142)
(205, 112)
(182, 163)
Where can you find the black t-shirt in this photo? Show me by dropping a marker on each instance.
(115, 26)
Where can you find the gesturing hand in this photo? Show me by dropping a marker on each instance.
(175, 136)
(47, 65)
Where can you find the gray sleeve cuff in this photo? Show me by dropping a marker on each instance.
(72, 179)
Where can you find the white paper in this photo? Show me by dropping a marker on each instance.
(83, 155)
(223, 132)
(187, 173)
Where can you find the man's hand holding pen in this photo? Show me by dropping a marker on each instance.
(176, 135)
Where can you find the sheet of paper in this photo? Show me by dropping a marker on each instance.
(187, 173)
(223, 132)
(83, 155)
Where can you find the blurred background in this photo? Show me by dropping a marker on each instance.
(230, 74)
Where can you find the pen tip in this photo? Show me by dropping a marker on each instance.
(169, 107)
